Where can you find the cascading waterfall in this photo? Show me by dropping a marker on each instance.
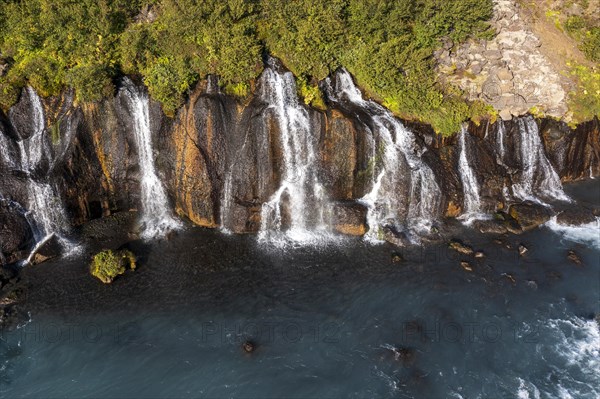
(299, 185)
(6, 154)
(538, 177)
(400, 153)
(500, 133)
(47, 216)
(471, 201)
(157, 218)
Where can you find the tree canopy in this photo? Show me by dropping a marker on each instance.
(171, 44)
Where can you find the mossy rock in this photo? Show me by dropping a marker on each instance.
(108, 264)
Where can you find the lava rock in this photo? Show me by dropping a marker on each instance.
(350, 218)
(466, 266)
(249, 346)
(460, 247)
(575, 216)
(490, 226)
(397, 257)
(530, 215)
(15, 232)
(523, 250)
(573, 257)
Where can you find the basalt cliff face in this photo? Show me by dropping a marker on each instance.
(246, 168)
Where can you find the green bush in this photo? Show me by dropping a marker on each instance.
(108, 264)
(585, 101)
(591, 44)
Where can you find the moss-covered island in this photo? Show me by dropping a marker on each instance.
(387, 45)
(109, 264)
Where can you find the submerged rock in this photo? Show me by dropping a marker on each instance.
(490, 226)
(466, 266)
(523, 250)
(460, 247)
(249, 346)
(350, 218)
(573, 257)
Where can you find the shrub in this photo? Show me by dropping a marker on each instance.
(591, 44)
(108, 264)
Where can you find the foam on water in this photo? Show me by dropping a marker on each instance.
(578, 347)
(585, 233)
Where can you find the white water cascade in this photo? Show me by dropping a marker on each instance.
(538, 179)
(500, 133)
(471, 201)
(400, 153)
(157, 218)
(300, 186)
(46, 213)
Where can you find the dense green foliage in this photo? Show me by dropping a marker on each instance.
(585, 102)
(171, 44)
(107, 265)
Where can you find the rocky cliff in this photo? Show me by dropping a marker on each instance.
(527, 65)
(221, 161)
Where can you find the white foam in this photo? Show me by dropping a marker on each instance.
(586, 233)
(579, 346)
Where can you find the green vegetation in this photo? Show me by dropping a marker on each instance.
(585, 102)
(584, 28)
(171, 44)
(108, 264)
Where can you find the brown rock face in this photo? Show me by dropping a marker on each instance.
(198, 141)
(575, 154)
(350, 218)
(15, 232)
(339, 155)
(530, 215)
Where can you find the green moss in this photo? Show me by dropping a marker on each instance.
(311, 94)
(108, 264)
(55, 132)
(241, 90)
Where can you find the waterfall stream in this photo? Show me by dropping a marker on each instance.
(539, 181)
(46, 214)
(471, 201)
(157, 218)
(397, 164)
(500, 133)
(300, 190)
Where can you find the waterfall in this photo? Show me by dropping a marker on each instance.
(299, 186)
(46, 212)
(500, 133)
(157, 219)
(7, 155)
(398, 163)
(471, 202)
(538, 177)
